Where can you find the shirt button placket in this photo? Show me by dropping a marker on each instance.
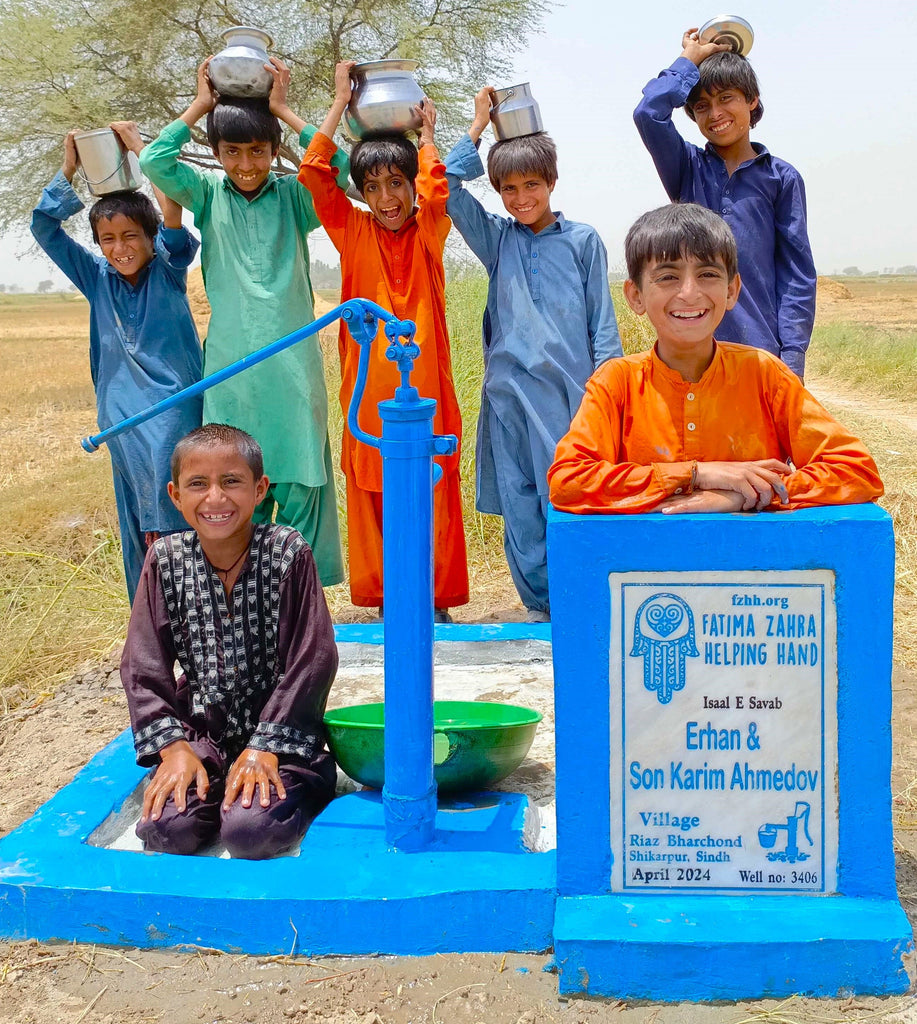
(691, 440)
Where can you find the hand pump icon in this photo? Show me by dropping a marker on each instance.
(767, 835)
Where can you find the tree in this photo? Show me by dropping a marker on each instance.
(323, 276)
(85, 63)
(44, 287)
(852, 272)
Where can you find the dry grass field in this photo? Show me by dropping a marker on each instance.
(61, 590)
(62, 603)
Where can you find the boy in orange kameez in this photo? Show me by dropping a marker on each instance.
(697, 425)
(394, 256)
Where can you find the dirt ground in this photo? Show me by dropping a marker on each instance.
(44, 746)
(44, 743)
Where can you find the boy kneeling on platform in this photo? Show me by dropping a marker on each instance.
(237, 741)
(696, 424)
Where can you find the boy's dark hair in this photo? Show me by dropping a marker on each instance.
(243, 120)
(727, 70)
(134, 205)
(679, 231)
(378, 151)
(527, 154)
(217, 435)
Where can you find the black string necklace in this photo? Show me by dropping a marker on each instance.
(224, 573)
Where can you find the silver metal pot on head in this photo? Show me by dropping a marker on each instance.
(238, 69)
(105, 164)
(515, 112)
(731, 29)
(385, 94)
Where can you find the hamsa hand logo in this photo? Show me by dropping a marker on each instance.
(664, 638)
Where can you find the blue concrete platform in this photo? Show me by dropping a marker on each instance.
(671, 948)
(613, 938)
(477, 889)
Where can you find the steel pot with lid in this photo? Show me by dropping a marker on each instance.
(238, 70)
(515, 112)
(385, 94)
(105, 164)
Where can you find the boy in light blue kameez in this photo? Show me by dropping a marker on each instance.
(548, 324)
(143, 345)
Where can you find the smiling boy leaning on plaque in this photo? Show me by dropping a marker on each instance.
(695, 424)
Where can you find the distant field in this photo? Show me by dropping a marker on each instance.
(61, 590)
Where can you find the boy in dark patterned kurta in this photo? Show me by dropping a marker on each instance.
(241, 609)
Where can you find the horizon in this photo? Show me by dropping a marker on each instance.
(849, 147)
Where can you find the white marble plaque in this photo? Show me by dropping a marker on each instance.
(724, 731)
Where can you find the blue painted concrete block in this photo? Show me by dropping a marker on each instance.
(701, 948)
(699, 944)
(477, 889)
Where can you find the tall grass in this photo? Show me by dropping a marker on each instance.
(870, 358)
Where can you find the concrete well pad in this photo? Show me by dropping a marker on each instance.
(487, 884)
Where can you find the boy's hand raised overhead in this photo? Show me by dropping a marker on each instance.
(427, 112)
(71, 156)
(179, 768)
(129, 133)
(696, 51)
(483, 102)
(277, 101)
(253, 768)
(206, 98)
(343, 90)
(343, 85)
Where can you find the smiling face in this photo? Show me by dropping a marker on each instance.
(247, 164)
(389, 195)
(217, 494)
(685, 300)
(527, 197)
(724, 117)
(124, 243)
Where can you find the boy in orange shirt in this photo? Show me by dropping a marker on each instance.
(697, 425)
(394, 256)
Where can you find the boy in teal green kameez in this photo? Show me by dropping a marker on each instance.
(253, 227)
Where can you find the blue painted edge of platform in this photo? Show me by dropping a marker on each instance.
(477, 890)
(476, 632)
(705, 948)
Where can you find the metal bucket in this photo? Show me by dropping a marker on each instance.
(106, 166)
(515, 113)
(385, 94)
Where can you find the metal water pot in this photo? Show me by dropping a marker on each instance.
(731, 29)
(238, 70)
(384, 96)
(515, 113)
(105, 164)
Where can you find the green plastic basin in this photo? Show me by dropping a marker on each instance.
(475, 743)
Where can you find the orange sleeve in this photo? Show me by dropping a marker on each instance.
(587, 476)
(333, 207)
(432, 193)
(832, 466)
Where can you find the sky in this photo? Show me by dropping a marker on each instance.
(837, 83)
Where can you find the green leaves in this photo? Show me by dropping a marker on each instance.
(84, 64)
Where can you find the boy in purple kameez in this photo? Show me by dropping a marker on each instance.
(238, 740)
(761, 197)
